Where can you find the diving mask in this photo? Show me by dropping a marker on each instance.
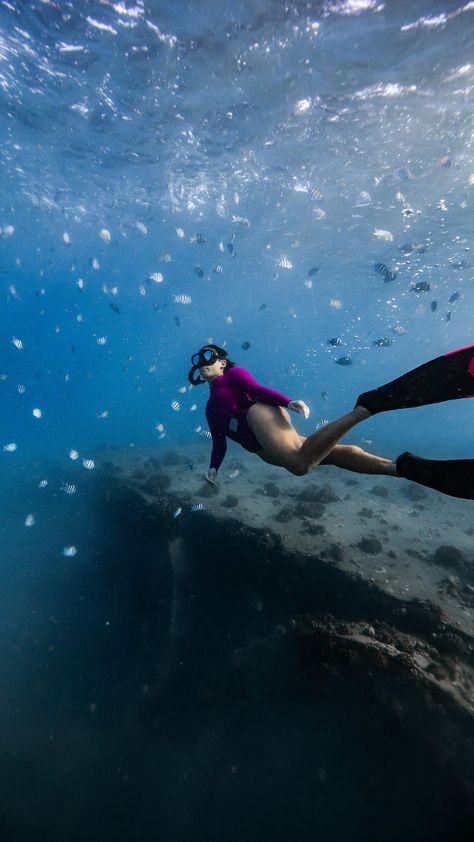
(205, 356)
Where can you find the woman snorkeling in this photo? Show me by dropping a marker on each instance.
(257, 418)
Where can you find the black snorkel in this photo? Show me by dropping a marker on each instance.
(192, 379)
(207, 355)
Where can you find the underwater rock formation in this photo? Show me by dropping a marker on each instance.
(262, 596)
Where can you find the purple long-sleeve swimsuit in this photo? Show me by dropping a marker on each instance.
(232, 394)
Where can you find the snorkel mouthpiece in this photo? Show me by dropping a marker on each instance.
(191, 376)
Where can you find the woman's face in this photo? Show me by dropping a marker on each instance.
(209, 372)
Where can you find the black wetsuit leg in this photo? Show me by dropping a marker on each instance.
(444, 379)
(453, 476)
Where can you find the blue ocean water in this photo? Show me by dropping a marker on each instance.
(177, 173)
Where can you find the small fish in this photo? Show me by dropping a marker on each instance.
(17, 343)
(89, 464)
(434, 306)
(177, 321)
(410, 248)
(205, 433)
(230, 249)
(101, 340)
(37, 412)
(73, 454)
(217, 269)
(363, 198)
(182, 299)
(319, 213)
(448, 316)
(11, 447)
(198, 271)
(157, 277)
(177, 512)
(312, 272)
(234, 474)
(189, 465)
(399, 330)
(198, 507)
(68, 488)
(454, 297)
(324, 396)
(241, 220)
(29, 520)
(166, 258)
(335, 303)
(198, 238)
(180, 233)
(387, 236)
(316, 194)
(104, 234)
(175, 405)
(43, 483)
(335, 341)
(401, 173)
(221, 246)
(382, 343)
(344, 361)
(245, 346)
(381, 268)
(94, 263)
(421, 286)
(69, 551)
(114, 307)
(284, 263)
(141, 227)
(388, 275)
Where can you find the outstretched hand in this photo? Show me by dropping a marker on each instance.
(299, 406)
(211, 476)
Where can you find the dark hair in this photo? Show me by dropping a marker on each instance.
(222, 353)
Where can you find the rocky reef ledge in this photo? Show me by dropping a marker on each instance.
(277, 582)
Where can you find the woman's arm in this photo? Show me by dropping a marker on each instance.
(240, 377)
(219, 450)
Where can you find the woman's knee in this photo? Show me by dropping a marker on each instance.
(298, 466)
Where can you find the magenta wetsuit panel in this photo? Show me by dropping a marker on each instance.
(232, 394)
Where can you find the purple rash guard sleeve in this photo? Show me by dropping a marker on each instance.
(242, 385)
(260, 393)
(219, 449)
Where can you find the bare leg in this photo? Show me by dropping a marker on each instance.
(353, 458)
(317, 446)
